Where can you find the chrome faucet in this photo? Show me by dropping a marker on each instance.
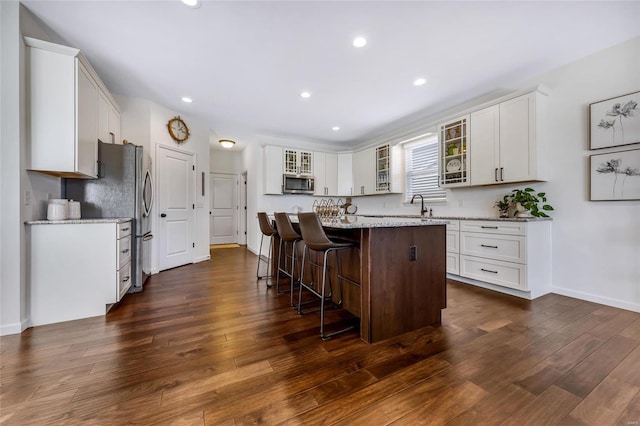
(422, 209)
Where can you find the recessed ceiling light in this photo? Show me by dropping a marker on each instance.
(359, 41)
(187, 100)
(305, 95)
(419, 81)
(335, 128)
(227, 143)
(191, 3)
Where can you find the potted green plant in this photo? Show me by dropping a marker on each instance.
(526, 203)
(503, 206)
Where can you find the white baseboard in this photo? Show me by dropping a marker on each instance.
(489, 286)
(14, 328)
(616, 303)
(202, 259)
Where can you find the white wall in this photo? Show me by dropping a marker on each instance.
(12, 287)
(145, 123)
(16, 182)
(596, 245)
(225, 161)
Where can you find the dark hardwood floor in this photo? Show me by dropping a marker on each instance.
(205, 344)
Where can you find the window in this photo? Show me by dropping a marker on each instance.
(421, 156)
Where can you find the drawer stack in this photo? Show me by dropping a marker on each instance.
(124, 259)
(515, 255)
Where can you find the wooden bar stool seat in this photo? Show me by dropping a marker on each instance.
(267, 231)
(316, 240)
(288, 238)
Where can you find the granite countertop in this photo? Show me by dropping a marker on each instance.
(79, 221)
(356, 222)
(445, 218)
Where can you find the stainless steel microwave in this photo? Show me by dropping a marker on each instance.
(292, 184)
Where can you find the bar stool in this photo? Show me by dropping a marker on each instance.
(316, 240)
(288, 236)
(267, 230)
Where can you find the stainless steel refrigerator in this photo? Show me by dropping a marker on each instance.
(124, 188)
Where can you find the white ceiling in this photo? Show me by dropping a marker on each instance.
(245, 63)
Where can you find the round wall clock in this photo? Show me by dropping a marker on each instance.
(178, 129)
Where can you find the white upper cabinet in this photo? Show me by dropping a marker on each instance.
(66, 99)
(345, 174)
(508, 144)
(87, 125)
(103, 119)
(298, 162)
(377, 170)
(325, 167)
(114, 126)
(273, 168)
(364, 172)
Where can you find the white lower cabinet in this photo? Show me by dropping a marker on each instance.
(77, 270)
(453, 247)
(511, 255)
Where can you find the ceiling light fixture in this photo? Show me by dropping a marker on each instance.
(335, 128)
(359, 42)
(192, 3)
(305, 95)
(227, 143)
(187, 100)
(419, 81)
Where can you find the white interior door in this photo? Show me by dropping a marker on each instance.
(176, 180)
(224, 209)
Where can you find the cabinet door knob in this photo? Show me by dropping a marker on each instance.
(163, 215)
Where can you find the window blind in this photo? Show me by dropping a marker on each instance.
(422, 170)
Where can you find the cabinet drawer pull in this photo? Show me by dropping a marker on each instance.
(489, 227)
(125, 251)
(484, 245)
(488, 270)
(125, 229)
(126, 279)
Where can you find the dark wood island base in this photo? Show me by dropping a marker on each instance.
(401, 268)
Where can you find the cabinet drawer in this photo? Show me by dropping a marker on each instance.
(453, 263)
(453, 225)
(124, 229)
(510, 248)
(124, 280)
(505, 274)
(124, 250)
(493, 227)
(453, 241)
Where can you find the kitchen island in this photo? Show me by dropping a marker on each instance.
(400, 266)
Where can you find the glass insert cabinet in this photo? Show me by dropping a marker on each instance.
(298, 162)
(454, 152)
(383, 166)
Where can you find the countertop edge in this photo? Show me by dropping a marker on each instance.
(78, 221)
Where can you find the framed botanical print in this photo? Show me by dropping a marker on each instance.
(615, 121)
(615, 176)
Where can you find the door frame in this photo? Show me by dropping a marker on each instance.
(156, 222)
(242, 203)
